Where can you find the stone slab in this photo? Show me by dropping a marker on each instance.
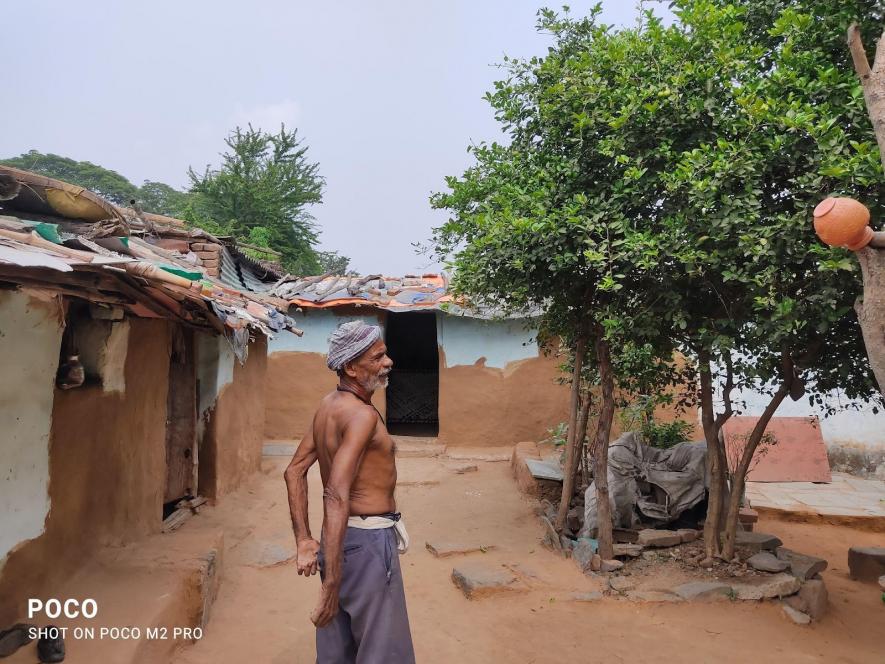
(611, 566)
(652, 596)
(756, 542)
(627, 550)
(688, 534)
(802, 566)
(621, 584)
(866, 563)
(812, 599)
(795, 616)
(488, 454)
(443, 549)
(544, 469)
(765, 561)
(766, 587)
(483, 580)
(704, 591)
(658, 538)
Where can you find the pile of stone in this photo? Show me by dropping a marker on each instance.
(763, 569)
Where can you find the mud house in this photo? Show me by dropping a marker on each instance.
(468, 378)
(134, 353)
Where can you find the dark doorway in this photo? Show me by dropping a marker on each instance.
(413, 392)
(181, 418)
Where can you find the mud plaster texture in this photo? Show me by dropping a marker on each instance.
(230, 449)
(483, 406)
(295, 384)
(107, 468)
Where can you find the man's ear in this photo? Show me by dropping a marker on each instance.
(349, 370)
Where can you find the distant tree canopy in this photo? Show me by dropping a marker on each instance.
(260, 195)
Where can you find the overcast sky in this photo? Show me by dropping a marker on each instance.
(387, 94)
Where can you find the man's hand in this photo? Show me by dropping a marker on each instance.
(327, 607)
(306, 560)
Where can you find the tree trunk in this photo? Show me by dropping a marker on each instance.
(581, 446)
(715, 460)
(739, 479)
(871, 313)
(873, 82)
(603, 431)
(568, 481)
(871, 310)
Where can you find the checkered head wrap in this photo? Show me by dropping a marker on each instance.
(350, 341)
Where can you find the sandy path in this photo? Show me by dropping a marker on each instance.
(261, 614)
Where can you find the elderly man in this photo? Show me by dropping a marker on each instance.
(361, 615)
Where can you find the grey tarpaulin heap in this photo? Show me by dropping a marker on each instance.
(647, 484)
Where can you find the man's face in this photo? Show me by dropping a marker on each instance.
(371, 369)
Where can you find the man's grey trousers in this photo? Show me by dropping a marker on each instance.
(372, 626)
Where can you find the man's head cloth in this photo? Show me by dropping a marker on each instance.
(349, 341)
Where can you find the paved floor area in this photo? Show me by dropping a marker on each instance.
(845, 496)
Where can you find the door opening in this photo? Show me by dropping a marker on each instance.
(413, 391)
(181, 420)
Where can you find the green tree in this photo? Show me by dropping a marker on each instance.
(104, 182)
(265, 182)
(152, 196)
(656, 194)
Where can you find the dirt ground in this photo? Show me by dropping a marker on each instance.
(261, 613)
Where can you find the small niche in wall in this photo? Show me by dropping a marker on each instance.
(93, 347)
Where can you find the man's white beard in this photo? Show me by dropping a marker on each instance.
(377, 382)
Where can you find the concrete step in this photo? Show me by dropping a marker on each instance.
(161, 590)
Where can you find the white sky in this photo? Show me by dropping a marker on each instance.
(387, 94)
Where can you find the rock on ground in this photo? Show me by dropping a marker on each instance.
(652, 596)
(658, 538)
(812, 599)
(756, 542)
(627, 550)
(767, 562)
(796, 616)
(583, 553)
(866, 563)
(621, 584)
(802, 566)
(704, 591)
(481, 580)
(687, 534)
(766, 587)
(610, 565)
(468, 468)
(442, 549)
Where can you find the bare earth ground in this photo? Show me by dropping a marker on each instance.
(261, 614)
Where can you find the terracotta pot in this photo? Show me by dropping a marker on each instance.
(843, 222)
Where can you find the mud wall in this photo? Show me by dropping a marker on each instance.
(232, 430)
(30, 336)
(297, 375)
(495, 386)
(107, 467)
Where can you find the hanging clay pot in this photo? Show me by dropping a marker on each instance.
(843, 222)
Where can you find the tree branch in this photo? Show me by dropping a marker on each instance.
(879, 60)
(858, 53)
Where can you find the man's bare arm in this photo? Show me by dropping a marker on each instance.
(296, 484)
(336, 507)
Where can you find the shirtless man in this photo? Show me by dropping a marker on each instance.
(361, 614)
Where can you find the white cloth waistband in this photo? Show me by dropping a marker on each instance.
(380, 522)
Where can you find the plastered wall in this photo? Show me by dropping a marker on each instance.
(107, 467)
(297, 375)
(232, 407)
(30, 337)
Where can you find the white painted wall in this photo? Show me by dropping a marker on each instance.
(318, 325)
(466, 340)
(215, 369)
(851, 427)
(30, 341)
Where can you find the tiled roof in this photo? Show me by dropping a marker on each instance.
(58, 236)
